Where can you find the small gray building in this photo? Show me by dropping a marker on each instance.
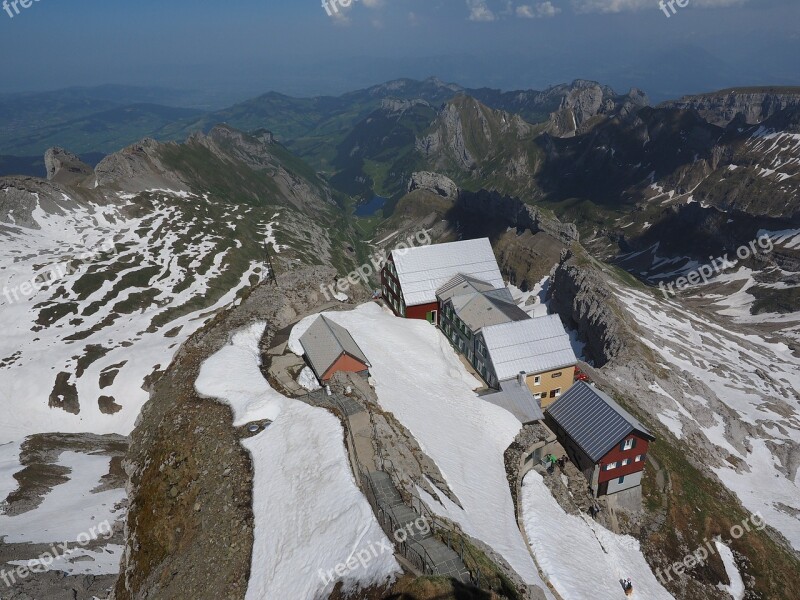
(329, 348)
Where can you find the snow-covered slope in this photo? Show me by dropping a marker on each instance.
(732, 394)
(141, 276)
(310, 517)
(581, 558)
(422, 382)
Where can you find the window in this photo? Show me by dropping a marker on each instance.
(639, 458)
(543, 395)
(537, 380)
(628, 445)
(611, 466)
(621, 480)
(555, 393)
(626, 462)
(481, 349)
(556, 375)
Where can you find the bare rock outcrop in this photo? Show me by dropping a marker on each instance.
(517, 214)
(433, 182)
(584, 300)
(754, 104)
(65, 167)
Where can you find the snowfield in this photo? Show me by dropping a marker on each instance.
(420, 379)
(581, 558)
(117, 315)
(120, 287)
(749, 407)
(310, 516)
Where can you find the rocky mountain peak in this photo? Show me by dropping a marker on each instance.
(65, 167)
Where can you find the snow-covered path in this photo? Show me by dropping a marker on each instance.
(310, 517)
(581, 558)
(422, 382)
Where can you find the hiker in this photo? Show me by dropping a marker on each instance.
(628, 587)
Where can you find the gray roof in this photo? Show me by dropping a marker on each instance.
(423, 270)
(531, 346)
(593, 420)
(486, 309)
(462, 284)
(325, 342)
(518, 400)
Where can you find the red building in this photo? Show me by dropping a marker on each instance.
(329, 349)
(411, 276)
(605, 442)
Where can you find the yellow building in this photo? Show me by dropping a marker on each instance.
(536, 351)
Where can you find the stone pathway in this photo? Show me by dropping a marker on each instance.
(442, 560)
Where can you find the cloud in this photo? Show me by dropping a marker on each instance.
(480, 11)
(541, 10)
(618, 6)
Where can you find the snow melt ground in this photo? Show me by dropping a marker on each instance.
(90, 517)
(125, 284)
(750, 408)
(309, 515)
(422, 382)
(581, 558)
(119, 313)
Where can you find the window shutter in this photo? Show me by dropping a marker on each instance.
(634, 444)
(622, 446)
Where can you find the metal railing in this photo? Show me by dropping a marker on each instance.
(417, 555)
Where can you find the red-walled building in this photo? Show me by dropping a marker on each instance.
(604, 441)
(411, 276)
(329, 349)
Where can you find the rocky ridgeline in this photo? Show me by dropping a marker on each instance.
(756, 104)
(433, 182)
(583, 299)
(517, 214)
(496, 206)
(585, 100)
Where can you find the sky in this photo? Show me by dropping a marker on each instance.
(240, 48)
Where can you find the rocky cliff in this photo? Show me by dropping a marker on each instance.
(755, 104)
(517, 214)
(65, 167)
(582, 297)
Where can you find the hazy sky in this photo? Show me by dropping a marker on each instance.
(247, 47)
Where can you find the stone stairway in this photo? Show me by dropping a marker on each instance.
(444, 561)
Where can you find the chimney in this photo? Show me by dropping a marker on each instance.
(522, 377)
